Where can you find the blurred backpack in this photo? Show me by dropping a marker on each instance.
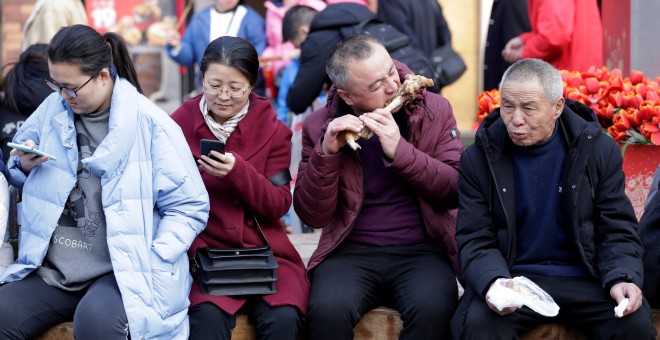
(444, 67)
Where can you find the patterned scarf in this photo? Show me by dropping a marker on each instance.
(222, 131)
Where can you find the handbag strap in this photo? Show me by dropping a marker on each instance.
(260, 231)
(278, 180)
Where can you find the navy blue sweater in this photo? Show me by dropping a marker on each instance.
(543, 243)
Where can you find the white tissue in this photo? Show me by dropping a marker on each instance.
(521, 291)
(618, 310)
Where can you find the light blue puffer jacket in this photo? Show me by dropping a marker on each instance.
(154, 200)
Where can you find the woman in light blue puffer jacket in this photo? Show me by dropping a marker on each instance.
(108, 214)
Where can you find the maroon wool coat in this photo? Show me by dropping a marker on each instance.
(329, 189)
(261, 145)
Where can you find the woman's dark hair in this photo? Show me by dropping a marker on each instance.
(234, 52)
(91, 51)
(24, 83)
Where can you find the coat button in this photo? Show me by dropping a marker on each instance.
(503, 189)
(573, 186)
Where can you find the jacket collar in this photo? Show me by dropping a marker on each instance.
(112, 154)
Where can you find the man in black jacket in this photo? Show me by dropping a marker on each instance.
(541, 195)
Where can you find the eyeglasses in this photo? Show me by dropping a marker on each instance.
(73, 93)
(216, 91)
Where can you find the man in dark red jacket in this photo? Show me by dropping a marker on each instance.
(542, 196)
(388, 231)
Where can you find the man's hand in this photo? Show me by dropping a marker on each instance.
(381, 122)
(217, 168)
(28, 160)
(332, 144)
(628, 290)
(505, 311)
(512, 52)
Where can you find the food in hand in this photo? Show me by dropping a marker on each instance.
(409, 89)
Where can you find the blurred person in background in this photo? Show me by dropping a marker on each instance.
(322, 34)
(568, 34)
(48, 16)
(223, 18)
(421, 20)
(508, 19)
(24, 90)
(279, 52)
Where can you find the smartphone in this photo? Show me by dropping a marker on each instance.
(206, 145)
(28, 149)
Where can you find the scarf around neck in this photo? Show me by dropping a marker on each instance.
(222, 131)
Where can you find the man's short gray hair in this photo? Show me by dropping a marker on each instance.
(354, 48)
(547, 75)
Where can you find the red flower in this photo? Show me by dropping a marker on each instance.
(653, 96)
(574, 79)
(636, 77)
(653, 127)
(617, 135)
(616, 98)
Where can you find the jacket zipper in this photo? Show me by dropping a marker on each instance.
(511, 233)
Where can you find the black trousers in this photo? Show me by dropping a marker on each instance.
(583, 304)
(418, 281)
(208, 322)
(30, 307)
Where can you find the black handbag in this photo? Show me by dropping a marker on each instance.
(449, 66)
(237, 271)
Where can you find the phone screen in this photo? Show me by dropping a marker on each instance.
(206, 145)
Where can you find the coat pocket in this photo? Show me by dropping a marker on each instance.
(171, 285)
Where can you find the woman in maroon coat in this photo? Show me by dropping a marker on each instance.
(258, 147)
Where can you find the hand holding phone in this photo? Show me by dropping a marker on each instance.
(206, 145)
(28, 149)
